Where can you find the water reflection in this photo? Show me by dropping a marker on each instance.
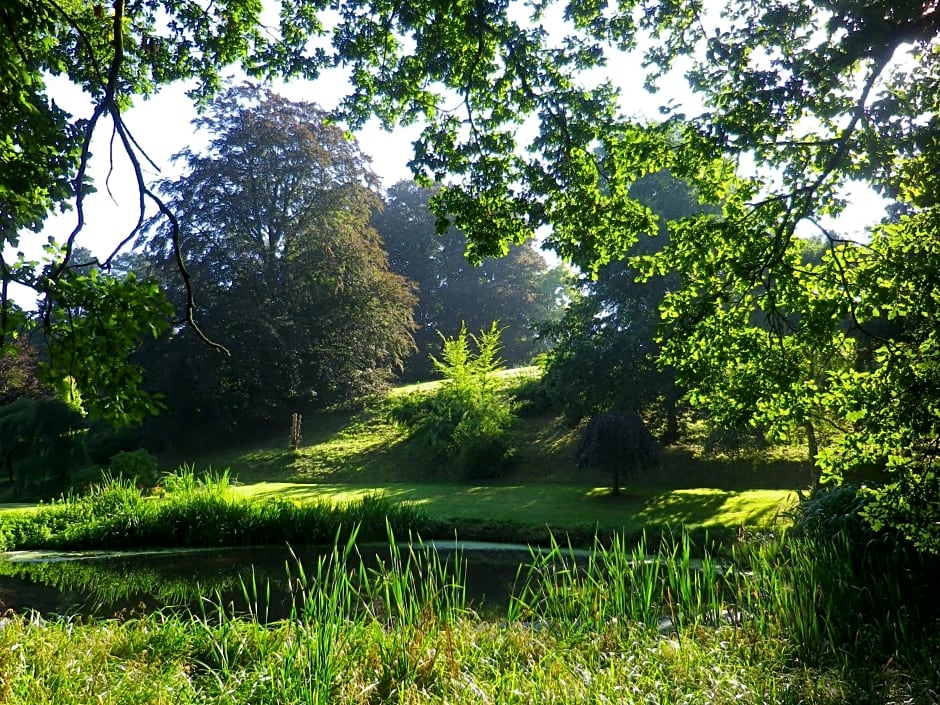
(244, 580)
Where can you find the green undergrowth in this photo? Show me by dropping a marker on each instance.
(782, 620)
(195, 511)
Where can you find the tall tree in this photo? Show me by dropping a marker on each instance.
(605, 352)
(821, 94)
(274, 221)
(815, 93)
(518, 291)
(113, 51)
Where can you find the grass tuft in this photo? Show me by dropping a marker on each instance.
(617, 623)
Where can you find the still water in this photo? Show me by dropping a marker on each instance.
(109, 584)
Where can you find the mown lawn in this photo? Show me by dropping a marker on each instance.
(348, 454)
(556, 506)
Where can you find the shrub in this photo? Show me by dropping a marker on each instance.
(136, 466)
(467, 420)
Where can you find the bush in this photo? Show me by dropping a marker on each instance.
(104, 441)
(467, 420)
(875, 583)
(838, 512)
(481, 438)
(136, 466)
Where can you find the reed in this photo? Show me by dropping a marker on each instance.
(618, 623)
(582, 592)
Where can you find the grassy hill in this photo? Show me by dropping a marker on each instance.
(347, 454)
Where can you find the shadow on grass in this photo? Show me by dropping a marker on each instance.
(556, 507)
(683, 508)
(681, 469)
(337, 447)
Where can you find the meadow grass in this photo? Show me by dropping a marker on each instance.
(349, 455)
(576, 509)
(196, 511)
(637, 618)
(621, 624)
(207, 511)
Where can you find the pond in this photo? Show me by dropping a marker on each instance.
(110, 584)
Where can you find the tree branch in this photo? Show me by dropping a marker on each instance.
(189, 319)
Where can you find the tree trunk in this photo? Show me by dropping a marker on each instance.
(813, 446)
(672, 412)
(615, 491)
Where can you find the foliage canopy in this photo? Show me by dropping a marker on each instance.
(273, 220)
(815, 94)
(518, 290)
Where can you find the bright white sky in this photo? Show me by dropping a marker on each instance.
(162, 127)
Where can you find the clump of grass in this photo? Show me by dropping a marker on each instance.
(196, 511)
(401, 633)
(389, 616)
(581, 593)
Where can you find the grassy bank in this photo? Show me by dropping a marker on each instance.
(483, 511)
(206, 511)
(763, 629)
(197, 512)
(347, 456)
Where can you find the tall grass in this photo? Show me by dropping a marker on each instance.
(830, 598)
(822, 597)
(341, 613)
(582, 593)
(196, 511)
(617, 623)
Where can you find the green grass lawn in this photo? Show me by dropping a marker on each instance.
(558, 506)
(346, 455)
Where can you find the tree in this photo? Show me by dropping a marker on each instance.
(604, 354)
(815, 94)
(42, 441)
(821, 95)
(517, 290)
(274, 222)
(113, 53)
(618, 443)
